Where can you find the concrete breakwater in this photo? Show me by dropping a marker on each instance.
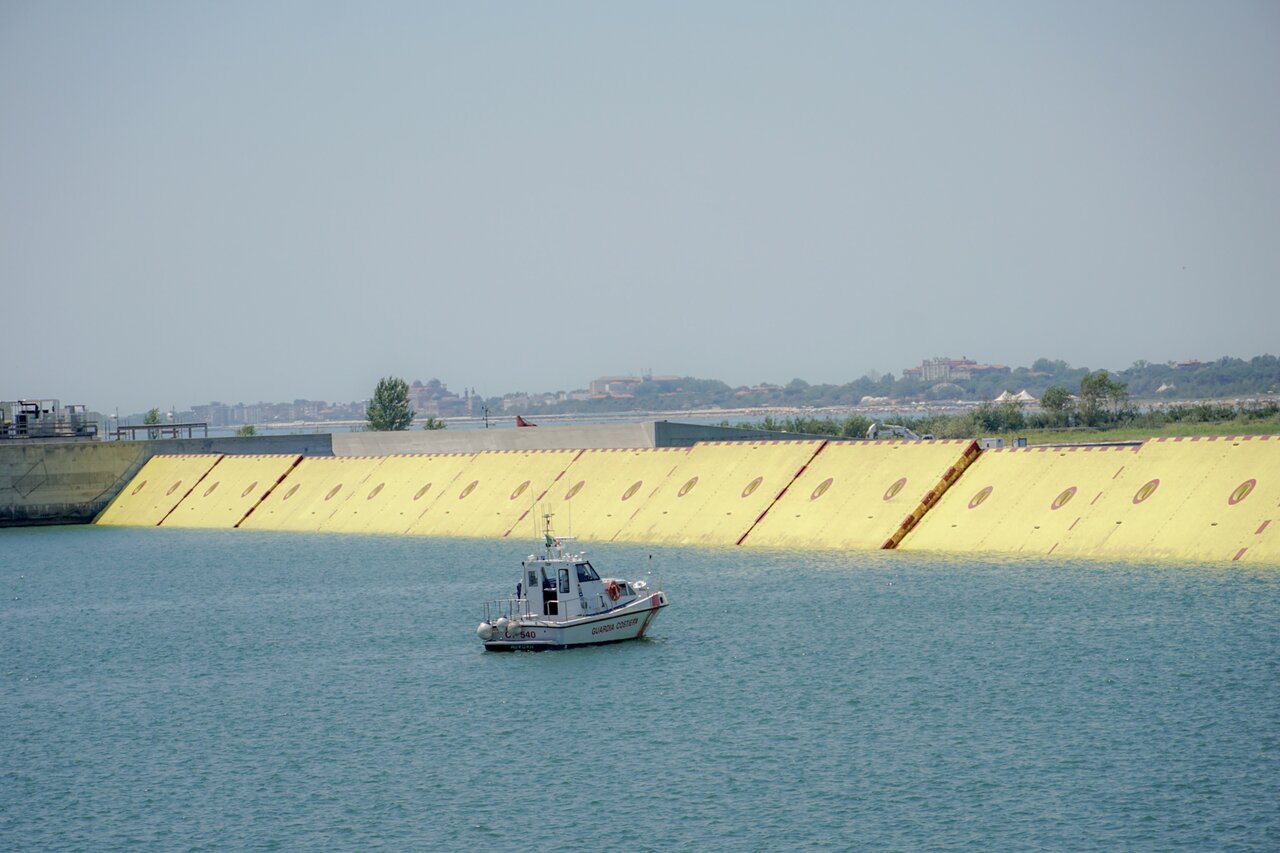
(1213, 499)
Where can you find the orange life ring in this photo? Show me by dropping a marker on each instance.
(611, 587)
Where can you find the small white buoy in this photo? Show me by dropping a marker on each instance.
(484, 631)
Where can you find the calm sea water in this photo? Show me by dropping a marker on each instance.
(178, 690)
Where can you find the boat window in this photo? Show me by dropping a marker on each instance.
(586, 573)
(564, 581)
(533, 579)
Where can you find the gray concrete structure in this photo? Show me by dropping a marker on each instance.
(506, 438)
(576, 437)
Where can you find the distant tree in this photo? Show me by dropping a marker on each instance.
(246, 430)
(855, 426)
(1000, 417)
(389, 409)
(153, 417)
(1051, 367)
(434, 423)
(796, 387)
(1117, 395)
(1101, 397)
(1057, 403)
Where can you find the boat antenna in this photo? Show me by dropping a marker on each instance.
(546, 524)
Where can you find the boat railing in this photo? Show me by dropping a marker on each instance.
(652, 581)
(517, 608)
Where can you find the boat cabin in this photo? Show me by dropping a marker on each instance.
(568, 586)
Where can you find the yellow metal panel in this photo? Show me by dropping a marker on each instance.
(602, 489)
(1021, 499)
(495, 493)
(230, 491)
(311, 493)
(860, 494)
(397, 492)
(1209, 498)
(157, 488)
(718, 492)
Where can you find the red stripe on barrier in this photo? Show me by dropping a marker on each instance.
(1261, 527)
(1239, 554)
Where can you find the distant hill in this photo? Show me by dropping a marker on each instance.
(1147, 382)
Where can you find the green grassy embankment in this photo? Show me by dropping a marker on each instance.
(1269, 426)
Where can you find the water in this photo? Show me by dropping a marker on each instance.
(183, 690)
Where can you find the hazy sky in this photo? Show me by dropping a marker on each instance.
(263, 201)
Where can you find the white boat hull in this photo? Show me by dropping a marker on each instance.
(629, 622)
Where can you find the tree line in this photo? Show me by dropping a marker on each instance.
(1226, 377)
(1102, 402)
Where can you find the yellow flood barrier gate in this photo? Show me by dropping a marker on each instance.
(1215, 499)
(1193, 498)
(1020, 499)
(603, 489)
(397, 492)
(234, 486)
(862, 494)
(1209, 498)
(156, 490)
(499, 490)
(717, 492)
(311, 493)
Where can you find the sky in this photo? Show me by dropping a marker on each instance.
(248, 201)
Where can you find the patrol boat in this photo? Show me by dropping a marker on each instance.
(562, 603)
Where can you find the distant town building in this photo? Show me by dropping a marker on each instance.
(217, 414)
(623, 386)
(763, 388)
(525, 401)
(433, 399)
(941, 369)
(607, 386)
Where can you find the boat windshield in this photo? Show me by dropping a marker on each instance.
(586, 573)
